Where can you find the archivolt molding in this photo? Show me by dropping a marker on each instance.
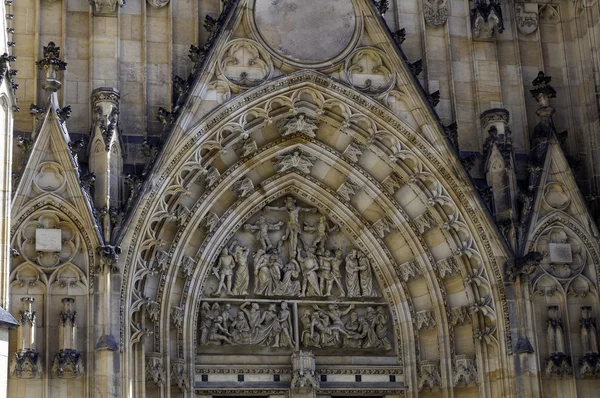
(406, 153)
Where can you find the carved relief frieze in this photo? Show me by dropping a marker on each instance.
(425, 222)
(269, 324)
(292, 254)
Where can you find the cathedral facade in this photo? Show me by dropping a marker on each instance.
(299, 198)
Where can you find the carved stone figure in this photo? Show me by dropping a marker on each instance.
(366, 276)
(309, 265)
(285, 338)
(224, 271)
(217, 334)
(300, 123)
(243, 187)
(298, 160)
(262, 228)
(336, 275)
(290, 285)
(242, 275)
(211, 176)
(352, 275)
(293, 223)
(321, 230)
(486, 18)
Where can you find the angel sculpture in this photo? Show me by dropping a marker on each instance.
(298, 160)
(300, 123)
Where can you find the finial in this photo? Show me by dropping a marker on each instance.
(51, 64)
(543, 91)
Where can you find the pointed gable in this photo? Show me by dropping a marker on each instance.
(245, 50)
(554, 194)
(51, 174)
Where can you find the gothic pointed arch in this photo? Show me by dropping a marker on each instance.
(333, 149)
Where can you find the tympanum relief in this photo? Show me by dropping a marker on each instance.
(289, 278)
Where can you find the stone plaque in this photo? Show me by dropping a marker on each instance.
(561, 253)
(48, 240)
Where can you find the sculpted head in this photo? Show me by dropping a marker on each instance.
(255, 306)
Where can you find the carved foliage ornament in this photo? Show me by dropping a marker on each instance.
(435, 12)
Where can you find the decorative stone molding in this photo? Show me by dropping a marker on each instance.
(425, 222)
(156, 3)
(525, 265)
(348, 189)
(526, 17)
(245, 64)
(465, 373)
(435, 12)
(431, 379)
(460, 316)
(26, 363)
(67, 364)
(486, 18)
(179, 377)
(106, 6)
(367, 70)
(108, 257)
(589, 364)
(384, 227)
(447, 267)
(408, 271)
(304, 377)
(425, 320)
(558, 364)
(354, 151)
(154, 368)
(105, 106)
